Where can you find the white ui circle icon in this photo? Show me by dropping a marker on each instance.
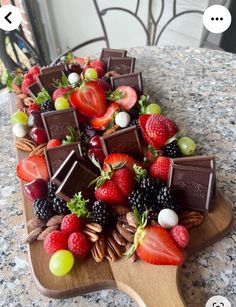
(217, 18)
(10, 17)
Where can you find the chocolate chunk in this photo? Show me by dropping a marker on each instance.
(56, 123)
(134, 80)
(52, 69)
(56, 156)
(193, 185)
(77, 180)
(109, 53)
(48, 80)
(33, 90)
(124, 141)
(121, 65)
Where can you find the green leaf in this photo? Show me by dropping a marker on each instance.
(140, 173)
(18, 80)
(69, 56)
(71, 137)
(143, 102)
(137, 216)
(42, 96)
(95, 162)
(78, 206)
(177, 136)
(114, 95)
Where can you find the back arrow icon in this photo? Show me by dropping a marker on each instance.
(7, 19)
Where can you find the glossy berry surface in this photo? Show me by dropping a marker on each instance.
(38, 135)
(97, 153)
(35, 119)
(95, 142)
(55, 241)
(35, 189)
(61, 262)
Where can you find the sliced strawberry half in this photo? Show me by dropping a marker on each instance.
(129, 97)
(100, 123)
(156, 246)
(118, 159)
(89, 99)
(32, 168)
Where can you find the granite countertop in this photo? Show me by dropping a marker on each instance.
(196, 88)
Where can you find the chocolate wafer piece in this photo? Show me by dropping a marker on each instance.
(121, 65)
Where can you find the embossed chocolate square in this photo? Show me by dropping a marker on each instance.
(134, 80)
(108, 53)
(56, 123)
(33, 90)
(56, 156)
(50, 69)
(125, 141)
(47, 80)
(77, 180)
(193, 185)
(121, 65)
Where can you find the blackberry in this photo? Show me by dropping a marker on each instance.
(172, 150)
(141, 200)
(167, 199)
(47, 106)
(88, 130)
(151, 185)
(135, 123)
(59, 206)
(107, 79)
(102, 213)
(52, 187)
(134, 112)
(43, 209)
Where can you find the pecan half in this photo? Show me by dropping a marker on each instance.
(92, 236)
(39, 150)
(190, 219)
(55, 220)
(131, 220)
(44, 233)
(94, 227)
(33, 235)
(110, 255)
(119, 238)
(25, 144)
(98, 250)
(114, 246)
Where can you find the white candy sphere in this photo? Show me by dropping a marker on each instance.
(19, 130)
(73, 78)
(122, 119)
(167, 218)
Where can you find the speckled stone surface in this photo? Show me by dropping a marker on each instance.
(196, 88)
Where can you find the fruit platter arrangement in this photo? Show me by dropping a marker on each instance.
(107, 176)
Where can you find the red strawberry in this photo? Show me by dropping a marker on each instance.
(129, 99)
(71, 223)
(119, 158)
(142, 124)
(60, 92)
(89, 99)
(79, 244)
(81, 61)
(33, 106)
(34, 71)
(97, 63)
(32, 168)
(53, 143)
(100, 123)
(124, 179)
(28, 81)
(180, 234)
(170, 125)
(55, 241)
(110, 193)
(156, 246)
(160, 168)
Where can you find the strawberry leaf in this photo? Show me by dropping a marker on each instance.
(114, 95)
(77, 205)
(42, 96)
(140, 173)
(71, 137)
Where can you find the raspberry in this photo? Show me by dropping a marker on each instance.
(55, 241)
(71, 223)
(53, 143)
(180, 234)
(79, 244)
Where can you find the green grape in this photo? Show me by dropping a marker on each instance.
(19, 117)
(61, 103)
(61, 262)
(153, 108)
(91, 73)
(186, 145)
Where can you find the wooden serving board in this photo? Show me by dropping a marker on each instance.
(148, 285)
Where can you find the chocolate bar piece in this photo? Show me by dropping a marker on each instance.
(56, 123)
(199, 161)
(77, 180)
(50, 69)
(109, 53)
(56, 156)
(121, 65)
(134, 80)
(193, 185)
(33, 90)
(125, 141)
(47, 80)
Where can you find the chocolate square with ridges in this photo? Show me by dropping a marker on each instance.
(47, 80)
(121, 65)
(134, 80)
(77, 180)
(56, 123)
(56, 156)
(124, 141)
(193, 186)
(109, 53)
(33, 90)
(55, 68)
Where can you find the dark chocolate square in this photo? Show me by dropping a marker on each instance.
(77, 180)
(33, 90)
(56, 123)
(124, 141)
(48, 80)
(109, 53)
(134, 80)
(193, 185)
(50, 69)
(121, 65)
(57, 155)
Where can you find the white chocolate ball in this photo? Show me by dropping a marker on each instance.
(122, 119)
(167, 218)
(73, 78)
(19, 130)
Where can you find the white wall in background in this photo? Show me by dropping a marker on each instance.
(70, 22)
